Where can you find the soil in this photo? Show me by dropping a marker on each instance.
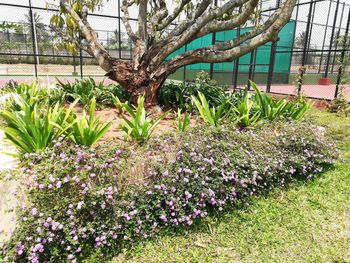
(112, 115)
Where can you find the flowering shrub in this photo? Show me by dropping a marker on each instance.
(77, 210)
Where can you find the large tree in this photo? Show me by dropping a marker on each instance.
(159, 33)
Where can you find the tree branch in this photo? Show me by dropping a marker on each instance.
(178, 9)
(192, 29)
(161, 13)
(125, 9)
(96, 49)
(142, 20)
(234, 48)
(240, 19)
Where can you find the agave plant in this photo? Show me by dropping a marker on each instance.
(87, 130)
(211, 115)
(34, 128)
(139, 127)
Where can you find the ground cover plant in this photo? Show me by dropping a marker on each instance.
(78, 208)
(306, 222)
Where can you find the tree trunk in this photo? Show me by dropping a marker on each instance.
(149, 91)
(138, 82)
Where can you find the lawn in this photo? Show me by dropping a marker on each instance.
(308, 222)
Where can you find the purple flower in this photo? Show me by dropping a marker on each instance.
(34, 211)
(163, 218)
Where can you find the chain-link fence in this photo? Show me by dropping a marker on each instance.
(307, 52)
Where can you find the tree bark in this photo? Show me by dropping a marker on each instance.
(138, 82)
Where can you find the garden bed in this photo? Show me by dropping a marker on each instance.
(90, 194)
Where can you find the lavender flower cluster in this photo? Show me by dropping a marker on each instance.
(77, 209)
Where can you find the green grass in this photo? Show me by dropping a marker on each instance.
(308, 222)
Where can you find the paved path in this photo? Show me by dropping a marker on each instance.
(7, 190)
(314, 91)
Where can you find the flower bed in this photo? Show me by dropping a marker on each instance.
(79, 208)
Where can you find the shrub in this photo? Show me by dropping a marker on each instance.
(88, 130)
(139, 127)
(77, 210)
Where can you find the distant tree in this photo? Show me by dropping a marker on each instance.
(42, 31)
(300, 40)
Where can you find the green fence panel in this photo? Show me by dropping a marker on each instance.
(282, 61)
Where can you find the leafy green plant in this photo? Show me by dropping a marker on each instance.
(33, 128)
(56, 94)
(243, 111)
(139, 127)
(87, 130)
(84, 90)
(118, 104)
(32, 94)
(212, 115)
(179, 94)
(181, 124)
(297, 108)
(270, 107)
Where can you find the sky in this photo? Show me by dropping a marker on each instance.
(16, 14)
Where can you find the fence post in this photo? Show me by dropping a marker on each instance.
(272, 57)
(185, 69)
(81, 60)
(331, 40)
(213, 41)
(119, 33)
(306, 45)
(337, 37)
(325, 35)
(33, 39)
(271, 66)
(236, 66)
(345, 46)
